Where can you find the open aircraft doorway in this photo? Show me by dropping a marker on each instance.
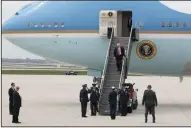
(124, 23)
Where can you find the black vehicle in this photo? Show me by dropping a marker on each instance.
(71, 73)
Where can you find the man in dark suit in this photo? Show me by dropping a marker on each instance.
(94, 98)
(113, 103)
(129, 24)
(150, 101)
(84, 100)
(98, 94)
(119, 52)
(124, 98)
(17, 103)
(10, 92)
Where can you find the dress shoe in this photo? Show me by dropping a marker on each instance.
(18, 122)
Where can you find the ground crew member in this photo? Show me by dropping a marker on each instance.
(113, 103)
(84, 100)
(94, 98)
(17, 103)
(98, 93)
(150, 101)
(124, 98)
(10, 92)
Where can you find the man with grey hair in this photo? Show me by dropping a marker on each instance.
(119, 52)
(17, 103)
(10, 92)
(150, 101)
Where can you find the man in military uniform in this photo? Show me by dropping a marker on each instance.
(113, 103)
(94, 98)
(150, 101)
(144, 94)
(84, 99)
(124, 98)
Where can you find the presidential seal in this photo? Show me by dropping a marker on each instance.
(146, 49)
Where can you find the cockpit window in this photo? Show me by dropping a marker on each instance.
(16, 13)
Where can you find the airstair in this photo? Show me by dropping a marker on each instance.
(110, 76)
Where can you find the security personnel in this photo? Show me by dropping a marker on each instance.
(124, 98)
(17, 103)
(84, 99)
(10, 92)
(94, 98)
(150, 101)
(113, 103)
(144, 94)
(98, 92)
(119, 106)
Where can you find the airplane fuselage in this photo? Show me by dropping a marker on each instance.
(69, 32)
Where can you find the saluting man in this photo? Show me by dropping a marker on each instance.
(84, 100)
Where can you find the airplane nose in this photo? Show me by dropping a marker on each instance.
(12, 24)
(8, 25)
(4, 27)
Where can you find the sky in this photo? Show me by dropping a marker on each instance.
(10, 7)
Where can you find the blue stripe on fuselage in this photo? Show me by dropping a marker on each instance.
(78, 15)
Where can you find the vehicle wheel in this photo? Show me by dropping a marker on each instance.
(130, 109)
(135, 105)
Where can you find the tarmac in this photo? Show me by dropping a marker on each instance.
(50, 100)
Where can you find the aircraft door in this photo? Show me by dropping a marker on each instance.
(126, 23)
(107, 20)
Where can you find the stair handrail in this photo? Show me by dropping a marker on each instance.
(125, 58)
(106, 64)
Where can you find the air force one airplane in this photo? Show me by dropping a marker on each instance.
(76, 32)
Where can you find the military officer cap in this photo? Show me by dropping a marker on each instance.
(149, 86)
(113, 87)
(84, 85)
